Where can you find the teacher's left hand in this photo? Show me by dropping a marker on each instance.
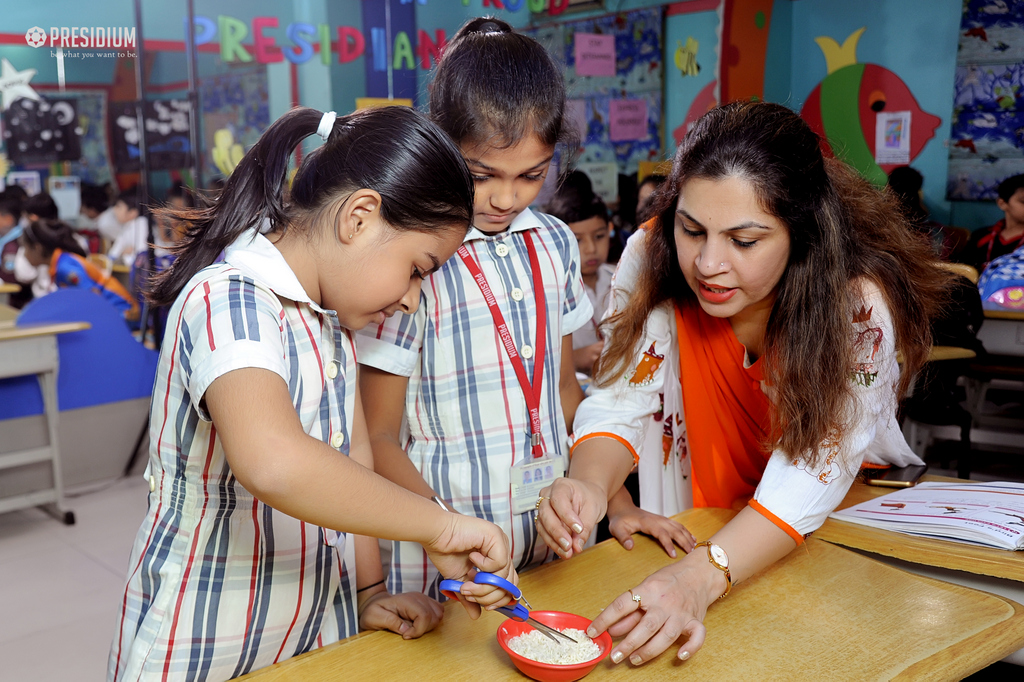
(671, 606)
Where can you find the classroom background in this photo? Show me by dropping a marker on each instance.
(120, 102)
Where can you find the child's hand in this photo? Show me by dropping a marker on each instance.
(584, 358)
(467, 544)
(410, 614)
(567, 514)
(625, 518)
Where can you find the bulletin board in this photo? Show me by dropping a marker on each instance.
(613, 82)
(238, 102)
(987, 137)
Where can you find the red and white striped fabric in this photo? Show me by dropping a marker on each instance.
(219, 583)
(467, 416)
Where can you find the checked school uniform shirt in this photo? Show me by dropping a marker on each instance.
(220, 584)
(467, 416)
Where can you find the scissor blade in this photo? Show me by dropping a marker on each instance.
(550, 631)
(543, 629)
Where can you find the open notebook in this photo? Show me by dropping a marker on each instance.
(990, 514)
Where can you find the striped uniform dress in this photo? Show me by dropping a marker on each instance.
(219, 583)
(467, 416)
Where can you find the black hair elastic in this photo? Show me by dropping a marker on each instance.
(364, 589)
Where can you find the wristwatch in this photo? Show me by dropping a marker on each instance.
(720, 560)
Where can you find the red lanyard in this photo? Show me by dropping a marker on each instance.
(531, 391)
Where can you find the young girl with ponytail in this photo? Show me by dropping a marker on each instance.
(260, 470)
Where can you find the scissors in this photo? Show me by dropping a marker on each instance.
(518, 612)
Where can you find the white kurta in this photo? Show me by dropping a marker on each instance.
(650, 416)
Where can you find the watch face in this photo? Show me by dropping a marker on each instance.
(719, 555)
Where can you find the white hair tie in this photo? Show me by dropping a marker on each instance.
(326, 125)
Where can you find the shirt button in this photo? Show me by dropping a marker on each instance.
(337, 439)
(501, 250)
(517, 294)
(152, 483)
(526, 352)
(332, 370)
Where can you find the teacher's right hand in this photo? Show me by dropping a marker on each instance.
(568, 511)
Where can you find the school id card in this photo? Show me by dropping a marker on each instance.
(531, 476)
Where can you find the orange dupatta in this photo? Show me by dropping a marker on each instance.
(725, 409)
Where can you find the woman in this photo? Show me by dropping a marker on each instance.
(758, 322)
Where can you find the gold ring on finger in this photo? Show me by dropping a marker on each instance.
(539, 500)
(636, 597)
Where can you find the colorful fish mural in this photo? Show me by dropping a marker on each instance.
(842, 108)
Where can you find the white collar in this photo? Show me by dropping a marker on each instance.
(258, 258)
(527, 220)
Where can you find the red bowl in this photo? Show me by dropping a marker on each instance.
(550, 672)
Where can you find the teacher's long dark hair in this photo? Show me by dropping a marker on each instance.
(419, 173)
(841, 228)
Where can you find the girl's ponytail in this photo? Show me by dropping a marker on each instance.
(253, 193)
(418, 171)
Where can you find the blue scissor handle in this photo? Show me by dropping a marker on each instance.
(516, 611)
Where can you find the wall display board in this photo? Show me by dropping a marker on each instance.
(987, 137)
(167, 139)
(41, 131)
(613, 75)
(236, 102)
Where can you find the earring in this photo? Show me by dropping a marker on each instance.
(351, 234)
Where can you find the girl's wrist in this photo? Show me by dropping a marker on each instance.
(364, 599)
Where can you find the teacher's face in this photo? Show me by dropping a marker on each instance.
(731, 252)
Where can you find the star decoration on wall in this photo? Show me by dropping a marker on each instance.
(14, 84)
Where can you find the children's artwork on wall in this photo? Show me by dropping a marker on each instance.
(582, 49)
(238, 102)
(844, 108)
(987, 136)
(42, 131)
(93, 165)
(167, 135)
(640, 139)
(14, 84)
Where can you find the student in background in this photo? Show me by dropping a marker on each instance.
(134, 235)
(52, 244)
(758, 320)
(482, 412)
(1007, 235)
(95, 202)
(38, 207)
(587, 216)
(259, 543)
(905, 184)
(10, 230)
(648, 186)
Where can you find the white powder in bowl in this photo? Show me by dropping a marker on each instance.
(538, 647)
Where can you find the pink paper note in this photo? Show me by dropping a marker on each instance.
(627, 119)
(595, 54)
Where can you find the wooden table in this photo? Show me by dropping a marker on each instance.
(1004, 314)
(821, 613)
(938, 353)
(958, 556)
(7, 288)
(32, 349)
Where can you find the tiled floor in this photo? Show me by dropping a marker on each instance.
(60, 585)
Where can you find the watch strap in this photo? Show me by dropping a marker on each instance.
(720, 567)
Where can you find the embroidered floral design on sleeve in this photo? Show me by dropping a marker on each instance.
(830, 469)
(667, 440)
(681, 446)
(649, 364)
(865, 346)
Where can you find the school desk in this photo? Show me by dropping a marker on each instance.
(823, 612)
(32, 349)
(7, 288)
(958, 556)
(1002, 333)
